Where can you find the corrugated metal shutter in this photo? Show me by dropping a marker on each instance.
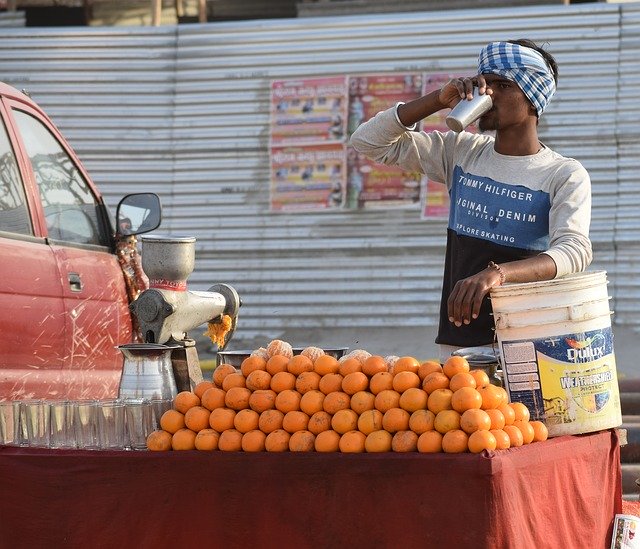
(12, 19)
(185, 111)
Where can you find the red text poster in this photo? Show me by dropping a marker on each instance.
(304, 178)
(308, 111)
(369, 184)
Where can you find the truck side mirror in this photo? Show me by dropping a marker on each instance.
(138, 213)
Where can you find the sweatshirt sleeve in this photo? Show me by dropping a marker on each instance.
(569, 220)
(385, 140)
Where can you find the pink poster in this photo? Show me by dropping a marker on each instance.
(369, 184)
(304, 178)
(308, 111)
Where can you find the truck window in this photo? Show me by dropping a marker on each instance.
(70, 208)
(14, 215)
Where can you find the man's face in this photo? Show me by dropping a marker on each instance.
(510, 105)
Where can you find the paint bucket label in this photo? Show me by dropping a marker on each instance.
(568, 381)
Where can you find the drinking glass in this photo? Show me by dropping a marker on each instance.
(86, 424)
(35, 414)
(159, 406)
(10, 422)
(139, 420)
(111, 424)
(63, 433)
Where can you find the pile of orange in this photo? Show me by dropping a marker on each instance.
(279, 402)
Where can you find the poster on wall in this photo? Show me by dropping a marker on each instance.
(370, 184)
(308, 178)
(308, 111)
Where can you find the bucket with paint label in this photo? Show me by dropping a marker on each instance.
(556, 350)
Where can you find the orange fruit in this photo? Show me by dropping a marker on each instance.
(183, 439)
(491, 397)
(428, 367)
(253, 441)
(405, 380)
(370, 421)
(481, 377)
(237, 398)
(455, 442)
(421, 421)
(413, 399)
(277, 441)
(387, 399)
(475, 420)
(279, 347)
(298, 364)
(283, 381)
(258, 379)
(508, 413)
(497, 418)
(502, 439)
(335, 401)
(172, 421)
(288, 400)
(344, 420)
(447, 420)
(221, 372)
(213, 398)
(466, 399)
(277, 363)
(515, 435)
(326, 364)
(430, 442)
(395, 419)
(207, 439)
(406, 364)
(362, 401)
(319, 422)
(349, 365)
(378, 441)
(439, 400)
(230, 441)
(462, 379)
(221, 419)
(527, 430)
(373, 365)
(312, 352)
(454, 365)
(197, 418)
(327, 441)
(302, 441)
(270, 420)
(354, 382)
(201, 387)
(251, 364)
(540, 431)
(329, 383)
(261, 352)
(307, 381)
(159, 441)
(185, 400)
(435, 380)
(520, 410)
(381, 381)
(262, 399)
(404, 441)
(503, 393)
(246, 420)
(352, 442)
(311, 402)
(481, 440)
(295, 421)
(234, 380)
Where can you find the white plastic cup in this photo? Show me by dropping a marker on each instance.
(468, 111)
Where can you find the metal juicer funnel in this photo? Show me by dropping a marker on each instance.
(167, 311)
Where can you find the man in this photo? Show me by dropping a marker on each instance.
(519, 211)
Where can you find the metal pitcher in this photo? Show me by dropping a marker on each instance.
(147, 372)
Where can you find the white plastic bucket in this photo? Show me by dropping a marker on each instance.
(556, 350)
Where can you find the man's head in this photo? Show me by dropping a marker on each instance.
(533, 69)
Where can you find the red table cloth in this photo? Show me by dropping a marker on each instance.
(562, 493)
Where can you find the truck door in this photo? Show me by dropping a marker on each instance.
(93, 286)
(32, 313)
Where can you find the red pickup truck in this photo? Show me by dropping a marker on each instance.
(64, 303)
